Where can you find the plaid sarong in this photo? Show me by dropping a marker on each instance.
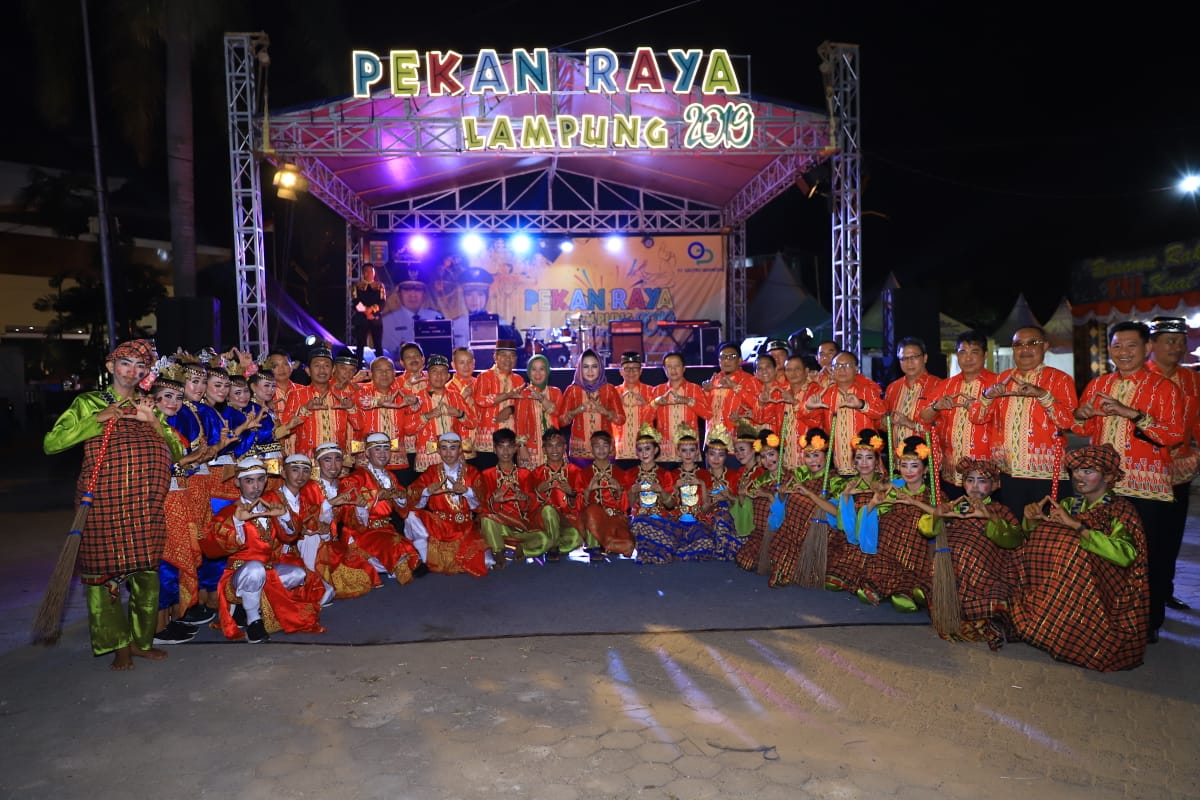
(126, 527)
(1077, 606)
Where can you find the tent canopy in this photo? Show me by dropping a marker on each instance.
(782, 305)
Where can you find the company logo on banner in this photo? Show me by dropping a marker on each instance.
(553, 294)
(530, 72)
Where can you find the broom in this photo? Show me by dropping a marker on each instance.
(47, 625)
(814, 553)
(945, 608)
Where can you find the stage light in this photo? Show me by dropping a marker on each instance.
(567, 246)
(418, 244)
(288, 182)
(521, 243)
(613, 244)
(1189, 184)
(310, 340)
(472, 244)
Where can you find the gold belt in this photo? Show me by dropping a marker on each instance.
(379, 523)
(456, 517)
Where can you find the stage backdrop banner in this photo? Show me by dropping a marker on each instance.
(569, 295)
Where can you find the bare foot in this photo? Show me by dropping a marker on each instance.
(150, 653)
(122, 660)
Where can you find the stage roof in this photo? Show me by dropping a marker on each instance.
(382, 151)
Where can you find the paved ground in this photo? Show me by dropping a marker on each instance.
(849, 712)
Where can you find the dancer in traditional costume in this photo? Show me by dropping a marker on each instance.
(605, 502)
(261, 594)
(508, 515)
(558, 487)
(1082, 588)
(808, 483)
(441, 522)
(375, 524)
(439, 410)
(127, 454)
(853, 511)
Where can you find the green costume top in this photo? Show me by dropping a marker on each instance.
(1114, 545)
(78, 424)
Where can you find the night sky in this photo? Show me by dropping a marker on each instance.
(1000, 146)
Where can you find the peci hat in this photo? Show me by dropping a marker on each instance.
(449, 436)
(775, 344)
(345, 357)
(506, 344)
(1161, 325)
(631, 357)
(320, 351)
(437, 360)
(299, 458)
(251, 466)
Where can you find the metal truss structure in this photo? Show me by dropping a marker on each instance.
(542, 200)
(839, 66)
(241, 61)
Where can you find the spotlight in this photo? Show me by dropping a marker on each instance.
(521, 243)
(567, 246)
(418, 244)
(613, 244)
(472, 244)
(310, 340)
(288, 182)
(1190, 184)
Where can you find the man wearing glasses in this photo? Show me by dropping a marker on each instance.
(1028, 410)
(907, 394)
(732, 391)
(848, 405)
(1140, 413)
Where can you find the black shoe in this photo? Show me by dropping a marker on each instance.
(1152, 637)
(553, 555)
(198, 615)
(239, 616)
(1177, 604)
(256, 632)
(175, 633)
(421, 571)
(595, 555)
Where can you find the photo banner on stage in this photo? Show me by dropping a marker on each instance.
(566, 290)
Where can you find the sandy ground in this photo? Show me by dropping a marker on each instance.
(848, 712)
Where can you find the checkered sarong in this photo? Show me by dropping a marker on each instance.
(1077, 606)
(127, 525)
(903, 561)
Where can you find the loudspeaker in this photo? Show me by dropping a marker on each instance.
(192, 323)
(434, 336)
(911, 312)
(624, 335)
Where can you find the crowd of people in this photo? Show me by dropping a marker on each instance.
(227, 493)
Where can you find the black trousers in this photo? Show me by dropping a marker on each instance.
(1162, 548)
(364, 328)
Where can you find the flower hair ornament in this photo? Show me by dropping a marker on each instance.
(770, 440)
(875, 442)
(921, 451)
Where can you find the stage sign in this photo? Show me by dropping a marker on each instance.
(1171, 269)
(708, 125)
(556, 294)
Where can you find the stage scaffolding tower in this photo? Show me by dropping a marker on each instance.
(244, 52)
(840, 69)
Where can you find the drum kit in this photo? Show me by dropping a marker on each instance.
(564, 346)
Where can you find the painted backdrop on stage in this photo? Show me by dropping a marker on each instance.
(558, 292)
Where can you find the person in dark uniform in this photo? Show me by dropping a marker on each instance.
(369, 295)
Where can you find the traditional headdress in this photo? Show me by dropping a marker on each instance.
(320, 351)
(913, 447)
(683, 432)
(449, 436)
(719, 435)
(631, 357)
(436, 360)
(377, 439)
(868, 439)
(347, 358)
(746, 431)
(506, 344)
(814, 439)
(299, 458)
(250, 466)
(766, 438)
(326, 447)
(137, 350)
(1168, 325)
(984, 467)
(648, 433)
(1103, 457)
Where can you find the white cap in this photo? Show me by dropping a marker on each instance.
(251, 466)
